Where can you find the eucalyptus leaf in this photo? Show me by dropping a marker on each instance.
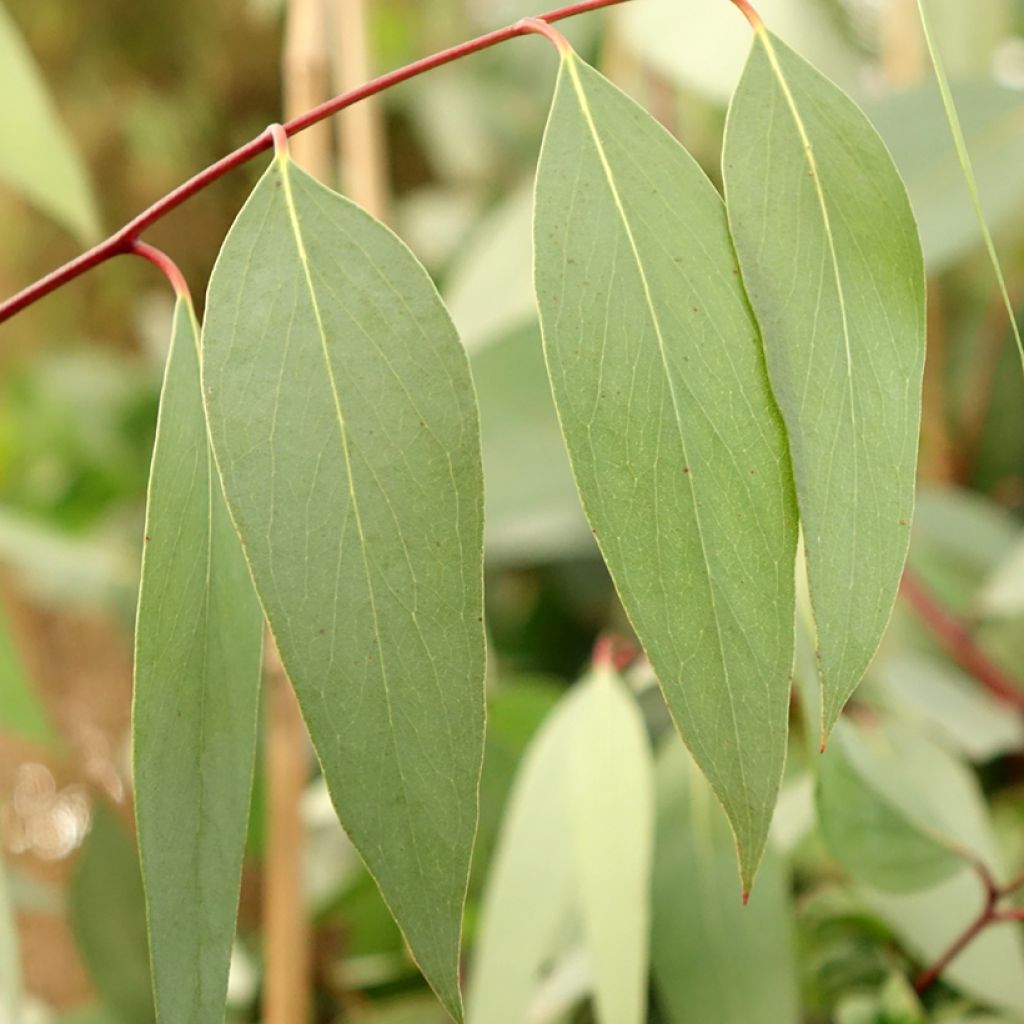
(21, 710)
(611, 788)
(832, 263)
(36, 156)
(714, 959)
(676, 445)
(198, 643)
(107, 912)
(344, 424)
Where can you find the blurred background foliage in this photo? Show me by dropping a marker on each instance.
(857, 894)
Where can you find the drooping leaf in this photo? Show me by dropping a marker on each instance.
(344, 424)
(676, 444)
(198, 644)
(832, 263)
(529, 895)
(10, 958)
(36, 157)
(880, 805)
(21, 711)
(107, 913)
(714, 959)
(611, 794)
(914, 126)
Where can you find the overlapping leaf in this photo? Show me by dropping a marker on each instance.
(197, 677)
(677, 447)
(832, 264)
(344, 424)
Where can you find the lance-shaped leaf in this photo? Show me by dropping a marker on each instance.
(833, 267)
(197, 678)
(677, 447)
(344, 424)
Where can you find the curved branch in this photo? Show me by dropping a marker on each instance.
(122, 241)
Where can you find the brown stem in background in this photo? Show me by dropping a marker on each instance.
(287, 945)
(361, 145)
(903, 57)
(989, 914)
(959, 644)
(306, 71)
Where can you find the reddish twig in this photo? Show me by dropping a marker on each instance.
(165, 265)
(750, 14)
(989, 914)
(122, 241)
(958, 642)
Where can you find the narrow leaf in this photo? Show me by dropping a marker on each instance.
(36, 156)
(344, 424)
(10, 957)
(197, 677)
(833, 267)
(713, 959)
(611, 789)
(107, 913)
(676, 444)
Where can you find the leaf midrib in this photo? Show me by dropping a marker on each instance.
(569, 62)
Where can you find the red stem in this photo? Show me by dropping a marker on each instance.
(166, 265)
(750, 14)
(122, 241)
(958, 642)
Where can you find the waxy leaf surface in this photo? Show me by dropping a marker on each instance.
(197, 679)
(833, 267)
(345, 427)
(676, 444)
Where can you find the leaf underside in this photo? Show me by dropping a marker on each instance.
(677, 447)
(197, 680)
(832, 264)
(345, 427)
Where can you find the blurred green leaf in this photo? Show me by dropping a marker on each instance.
(366, 546)
(36, 156)
(714, 959)
(21, 711)
(10, 958)
(108, 917)
(533, 512)
(913, 125)
(1003, 593)
(672, 430)
(611, 796)
(198, 645)
(887, 801)
(831, 261)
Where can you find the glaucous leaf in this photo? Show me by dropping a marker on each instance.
(198, 644)
(832, 264)
(10, 957)
(36, 156)
(676, 445)
(528, 899)
(913, 125)
(879, 817)
(714, 959)
(611, 790)
(107, 912)
(344, 424)
(21, 711)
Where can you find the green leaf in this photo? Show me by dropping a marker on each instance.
(107, 912)
(611, 791)
(714, 959)
(914, 126)
(529, 896)
(833, 267)
(676, 445)
(36, 157)
(10, 958)
(21, 711)
(879, 805)
(198, 643)
(344, 424)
